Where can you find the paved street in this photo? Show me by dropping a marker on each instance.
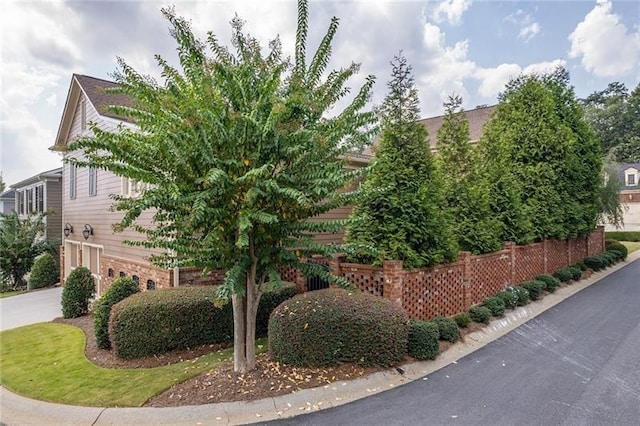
(30, 308)
(576, 364)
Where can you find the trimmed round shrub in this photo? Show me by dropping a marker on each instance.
(612, 256)
(576, 273)
(463, 319)
(448, 329)
(618, 254)
(327, 327)
(618, 246)
(550, 282)
(495, 305)
(271, 298)
(563, 274)
(535, 289)
(44, 272)
(78, 290)
(156, 322)
(120, 289)
(581, 266)
(522, 294)
(595, 263)
(480, 314)
(423, 342)
(509, 298)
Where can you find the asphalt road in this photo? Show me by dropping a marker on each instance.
(30, 308)
(576, 364)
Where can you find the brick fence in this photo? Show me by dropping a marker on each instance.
(449, 289)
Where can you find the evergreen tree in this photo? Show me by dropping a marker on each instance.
(403, 213)
(238, 153)
(466, 189)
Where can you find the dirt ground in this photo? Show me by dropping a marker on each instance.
(222, 384)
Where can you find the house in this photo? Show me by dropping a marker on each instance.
(8, 201)
(629, 174)
(87, 213)
(42, 193)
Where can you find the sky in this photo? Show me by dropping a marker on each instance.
(469, 48)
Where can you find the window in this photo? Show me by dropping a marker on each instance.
(93, 184)
(72, 181)
(151, 285)
(631, 179)
(20, 196)
(110, 272)
(28, 201)
(40, 198)
(83, 115)
(122, 274)
(132, 187)
(135, 279)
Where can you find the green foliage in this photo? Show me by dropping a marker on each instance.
(617, 246)
(78, 289)
(239, 151)
(400, 215)
(480, 314)
(596, 263)
(522, 294)
(331, 326)
(535, 288)
(550, 282)
(576, 272)
(463, 319)
(44, 272)
(448, 329)
(495, 305)
(20, 244)
(155, 322)
(509, 297)
(633, 236)
(465, 185)
(120, 289)
(423, 340)
(563, 274)
(611, 208)
(269, 301)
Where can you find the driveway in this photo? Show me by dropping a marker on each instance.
(576, 364)
(30, 308)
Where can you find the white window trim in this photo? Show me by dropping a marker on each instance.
(132, 187)
(73, 181)
(93, 181)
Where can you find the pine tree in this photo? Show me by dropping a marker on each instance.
(403, 214)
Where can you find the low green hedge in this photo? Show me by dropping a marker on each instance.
(328, 327)
(623, 235)
(509, 298)
(120, 289)
(423, 342)
(448, 329)
(495, 305)
(616, 245)
(155, 322)
(564, 275)
(596, 263)
(480, 314)
(463, 319)
(550, 282)
(535, 288)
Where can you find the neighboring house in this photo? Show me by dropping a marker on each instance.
(42, 193)
(629, 174)
(8, 201)
(87, 211)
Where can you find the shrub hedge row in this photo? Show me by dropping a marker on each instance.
(617, 245)
(328, 327)
(120, 289)
(155, 322)
(623, 235)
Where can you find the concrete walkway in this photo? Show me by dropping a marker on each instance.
(30, 308)
(17, 410)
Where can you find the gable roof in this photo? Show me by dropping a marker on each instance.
(95, 90)
(55, 174)
(622, 167)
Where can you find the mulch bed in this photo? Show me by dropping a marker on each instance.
(222, 384)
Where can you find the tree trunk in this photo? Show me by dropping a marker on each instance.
(252, 311)
(239, 334)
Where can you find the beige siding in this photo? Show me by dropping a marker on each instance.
(53, 191)
(335, 214)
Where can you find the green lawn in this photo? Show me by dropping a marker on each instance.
(631, 246)
(10, 293)
(46, 362)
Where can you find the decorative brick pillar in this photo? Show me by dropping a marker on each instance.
(545, 254)
(61, 256)
(334, 264)
(570, 245)
(393, 281)
(301, 281)
(511, 246)
(465, 260)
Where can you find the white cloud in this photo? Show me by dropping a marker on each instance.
(493, 80)
(529, 28)
(450, 11)
(530, 31)
(604, 44)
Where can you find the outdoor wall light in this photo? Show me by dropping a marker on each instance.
(87, 231)
(68, 229)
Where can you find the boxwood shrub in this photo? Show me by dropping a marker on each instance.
(155, 322)
(78, 290)
(623, 235)
(423, 342)
(480, 314)
(509, 298)
(535, 288)
(120, 289)
(44, 272)
(327, 327)
(495, 305)
(463, 319)
(523, 295)
(576, 272)
(564, 275)
(596, 263)
(448, 329)
(617, 245)
(550, 282)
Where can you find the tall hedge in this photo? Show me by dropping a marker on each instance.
(403, 214)
(120, 289)
(44, 272)
(78, 290)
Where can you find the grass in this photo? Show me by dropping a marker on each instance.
(47, 362)
(10, 293)
(631, 246)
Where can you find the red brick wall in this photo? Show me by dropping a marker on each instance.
(446, 290)
(162, 278)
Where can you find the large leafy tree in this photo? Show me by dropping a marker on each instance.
(238, 151)
(20, 243)
(403, 211)
(466, 187)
